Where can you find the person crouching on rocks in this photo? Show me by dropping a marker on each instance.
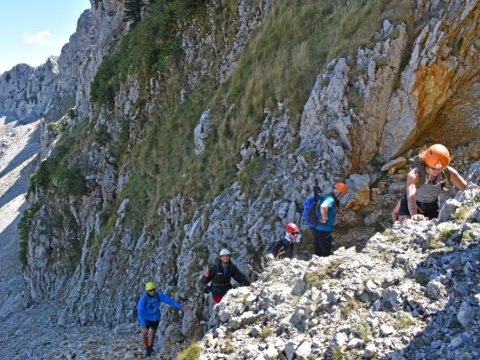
(149, 314)
(220, 275)
(285, 247)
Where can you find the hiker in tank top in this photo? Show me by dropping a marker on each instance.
(425, 183)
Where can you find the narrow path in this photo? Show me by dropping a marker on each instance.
(28, 333)
(19, 144)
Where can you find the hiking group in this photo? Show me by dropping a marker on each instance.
(425, 182)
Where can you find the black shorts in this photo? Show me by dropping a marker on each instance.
(430, 210)
(152, 324)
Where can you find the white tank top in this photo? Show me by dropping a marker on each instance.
(428, 192)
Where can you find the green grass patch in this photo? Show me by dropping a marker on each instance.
(192, 352)
(58, 174)
(362, 329)
(24, 226)
(148, 48)
(422, 278)
(266, 332)
(403, 320)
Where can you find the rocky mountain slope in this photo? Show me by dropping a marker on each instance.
(411, 293)
(204, 138)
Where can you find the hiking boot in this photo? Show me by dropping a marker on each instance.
(150, 351)
(146, 353)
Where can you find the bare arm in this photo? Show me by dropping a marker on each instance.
(457, 179)
(411, 188)
(324, 211)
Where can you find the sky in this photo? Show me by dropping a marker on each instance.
(33, 30)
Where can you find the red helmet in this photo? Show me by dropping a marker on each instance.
(436, 156)
(292, 228)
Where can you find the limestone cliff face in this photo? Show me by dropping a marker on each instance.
(443, 66)
(363, 106)
(63, 82)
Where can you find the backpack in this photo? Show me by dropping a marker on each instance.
(273, 247)
(311, 208)
(416, 162)
(145, 300)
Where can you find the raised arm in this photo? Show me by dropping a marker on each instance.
(457, 179)
(208, 273)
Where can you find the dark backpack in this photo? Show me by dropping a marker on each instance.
(145, 299)
(273, 247)
(416, 162)
(311, 208)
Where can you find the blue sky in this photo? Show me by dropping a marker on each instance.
(33, 30)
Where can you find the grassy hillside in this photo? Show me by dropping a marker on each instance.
(279, 64)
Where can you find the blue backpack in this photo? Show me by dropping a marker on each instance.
(311, 208)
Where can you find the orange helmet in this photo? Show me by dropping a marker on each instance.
(436, 156)
(292, 228)
(341, 187)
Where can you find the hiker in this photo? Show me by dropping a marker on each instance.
(220, 274)
(322, 233)
(149, 314)
(425, 182)
(284, 247)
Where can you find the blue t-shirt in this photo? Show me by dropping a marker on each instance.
(329, 202)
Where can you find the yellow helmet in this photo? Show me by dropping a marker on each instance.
(150, 286)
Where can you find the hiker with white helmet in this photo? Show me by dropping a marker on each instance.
(425, 182)
(149, 314)
(220, 275)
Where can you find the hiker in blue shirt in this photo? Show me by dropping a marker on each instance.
(149, 314)
(322, 233)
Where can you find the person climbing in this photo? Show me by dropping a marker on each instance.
(220, 274)
(425, 182)
(322, 233)
(285, 247)
(149, 314)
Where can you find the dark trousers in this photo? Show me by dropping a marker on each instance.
(322, 242)
(429, 210)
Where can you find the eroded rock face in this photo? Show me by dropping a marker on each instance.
(343, 119)
(441, 73)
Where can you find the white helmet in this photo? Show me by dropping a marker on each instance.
(225, 251)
